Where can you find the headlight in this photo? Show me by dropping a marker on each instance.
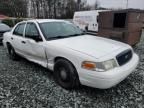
(99, 66)
(110, 64)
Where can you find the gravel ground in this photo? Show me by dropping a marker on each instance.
(24, 84)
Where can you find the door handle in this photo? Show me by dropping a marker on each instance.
(23, 42)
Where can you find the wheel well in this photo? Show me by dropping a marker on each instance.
(57, 58)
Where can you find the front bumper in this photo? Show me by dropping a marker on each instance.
(104, 80)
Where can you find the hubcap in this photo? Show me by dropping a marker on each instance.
(63, 74)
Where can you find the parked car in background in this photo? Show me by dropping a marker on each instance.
(74, 57)
(3, 28)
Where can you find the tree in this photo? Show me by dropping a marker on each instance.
(15, 8)
(78, 5)
(49, 8)
(42, 8)
(97, 4)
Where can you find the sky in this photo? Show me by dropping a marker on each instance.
(138, 4)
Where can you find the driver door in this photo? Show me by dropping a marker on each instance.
(34, 49)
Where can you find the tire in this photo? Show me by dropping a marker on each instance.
(65, 74)
(12, 53)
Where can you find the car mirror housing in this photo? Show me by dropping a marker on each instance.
(37, 38)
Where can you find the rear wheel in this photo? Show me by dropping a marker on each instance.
(65, 74)
(12, 53)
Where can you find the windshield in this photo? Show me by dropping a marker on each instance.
(54, 30)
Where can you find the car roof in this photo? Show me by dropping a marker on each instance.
(46, 20)
(3, 24)
(4, 27)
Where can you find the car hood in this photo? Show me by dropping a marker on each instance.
(90, 45)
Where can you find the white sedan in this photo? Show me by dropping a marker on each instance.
(74, 57)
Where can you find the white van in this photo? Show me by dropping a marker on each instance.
(87, 20)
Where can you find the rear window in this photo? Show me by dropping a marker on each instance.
(19, 29)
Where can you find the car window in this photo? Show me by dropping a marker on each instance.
(19, 29)
(31, 30)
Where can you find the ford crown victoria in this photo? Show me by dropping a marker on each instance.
(74, 57)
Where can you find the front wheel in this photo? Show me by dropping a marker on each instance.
(65, 74)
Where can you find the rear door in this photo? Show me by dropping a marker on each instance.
(17, 38)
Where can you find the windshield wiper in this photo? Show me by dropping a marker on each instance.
(77, 34)
(57, 37)
(67, 36)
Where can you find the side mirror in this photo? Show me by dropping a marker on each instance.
(37, 38)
